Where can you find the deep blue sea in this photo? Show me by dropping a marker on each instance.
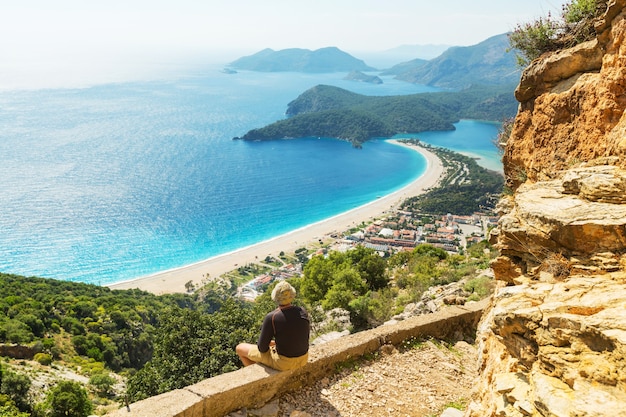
(118, 181)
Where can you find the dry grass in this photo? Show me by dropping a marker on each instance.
(557, 265)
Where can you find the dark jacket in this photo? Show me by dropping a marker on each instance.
(289, 326)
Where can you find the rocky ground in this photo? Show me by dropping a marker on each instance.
(421, 379)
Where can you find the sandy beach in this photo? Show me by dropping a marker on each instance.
(174, 280)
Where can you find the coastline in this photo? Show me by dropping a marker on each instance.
(173, 281)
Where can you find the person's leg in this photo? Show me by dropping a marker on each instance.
(242, 350)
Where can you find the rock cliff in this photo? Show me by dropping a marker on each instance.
(554, 341)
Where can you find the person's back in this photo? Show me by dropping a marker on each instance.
(290, 330)
(284, 340)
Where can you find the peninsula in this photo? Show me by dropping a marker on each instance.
(362, 77)
(327, 111)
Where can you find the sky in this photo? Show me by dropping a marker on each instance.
(45, 38)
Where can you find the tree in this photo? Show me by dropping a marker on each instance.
(16, 387)
(190, 346)
(102, 383)
(66, 399)
(347, 284)
(8, 408)
(370, 266)
(318, 278)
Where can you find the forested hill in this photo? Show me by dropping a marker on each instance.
(326, 111)
(490, 62)
(329, 59)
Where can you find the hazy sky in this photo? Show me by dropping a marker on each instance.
(55, 34)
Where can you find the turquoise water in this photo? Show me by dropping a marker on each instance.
(118, 181)
(472, 138)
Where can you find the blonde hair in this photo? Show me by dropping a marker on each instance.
(283, 293)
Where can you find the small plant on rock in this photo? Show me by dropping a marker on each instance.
(557, 265)
(575, 25)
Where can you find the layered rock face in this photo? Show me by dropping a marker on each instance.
(554, 341)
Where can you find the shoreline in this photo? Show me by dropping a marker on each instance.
(173, 280)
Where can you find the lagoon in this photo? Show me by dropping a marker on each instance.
(112, 182)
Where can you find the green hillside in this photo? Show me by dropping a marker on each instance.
(329, 59)
(327, 111)
(486, 63)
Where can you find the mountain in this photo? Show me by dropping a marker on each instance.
(329, 59)
(390, 57)
(429, 51)
(406, 67)
(486, 63)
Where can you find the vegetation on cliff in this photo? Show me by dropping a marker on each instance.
(113, 327)
(575, 25)
(561, 236)
(326, 111)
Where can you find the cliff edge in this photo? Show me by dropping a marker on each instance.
(554, 341)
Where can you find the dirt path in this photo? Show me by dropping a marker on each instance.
(418, 381)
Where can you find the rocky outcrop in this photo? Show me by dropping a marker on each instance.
(554, 341)
(572, 106)
(16, 351)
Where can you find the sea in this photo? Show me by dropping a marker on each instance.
(107, 183)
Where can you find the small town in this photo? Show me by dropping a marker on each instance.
(401, 228)
(399, 231)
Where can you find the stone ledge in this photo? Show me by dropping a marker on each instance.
(255, 385)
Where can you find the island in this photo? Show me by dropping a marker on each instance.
(362, 77)
(322, 60)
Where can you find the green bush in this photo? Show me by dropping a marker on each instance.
(16, 386)
(17, 332)
(43, 358)
(480, 286)
(579, 10)
(9, 409)
(67, 399)
(533, 39)
(575, 25)
(102, 383)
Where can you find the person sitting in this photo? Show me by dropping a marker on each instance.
(284, 340)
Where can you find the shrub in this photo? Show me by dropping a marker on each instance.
(579, 11)
(479, 287)
(9, 409)
(16, 386)
(17, 332)
(575, 25)
(557, 265)
(102, 383)
(533, 39)
(43, 358)
(67, 399)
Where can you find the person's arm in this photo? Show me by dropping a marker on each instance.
(267, 334)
